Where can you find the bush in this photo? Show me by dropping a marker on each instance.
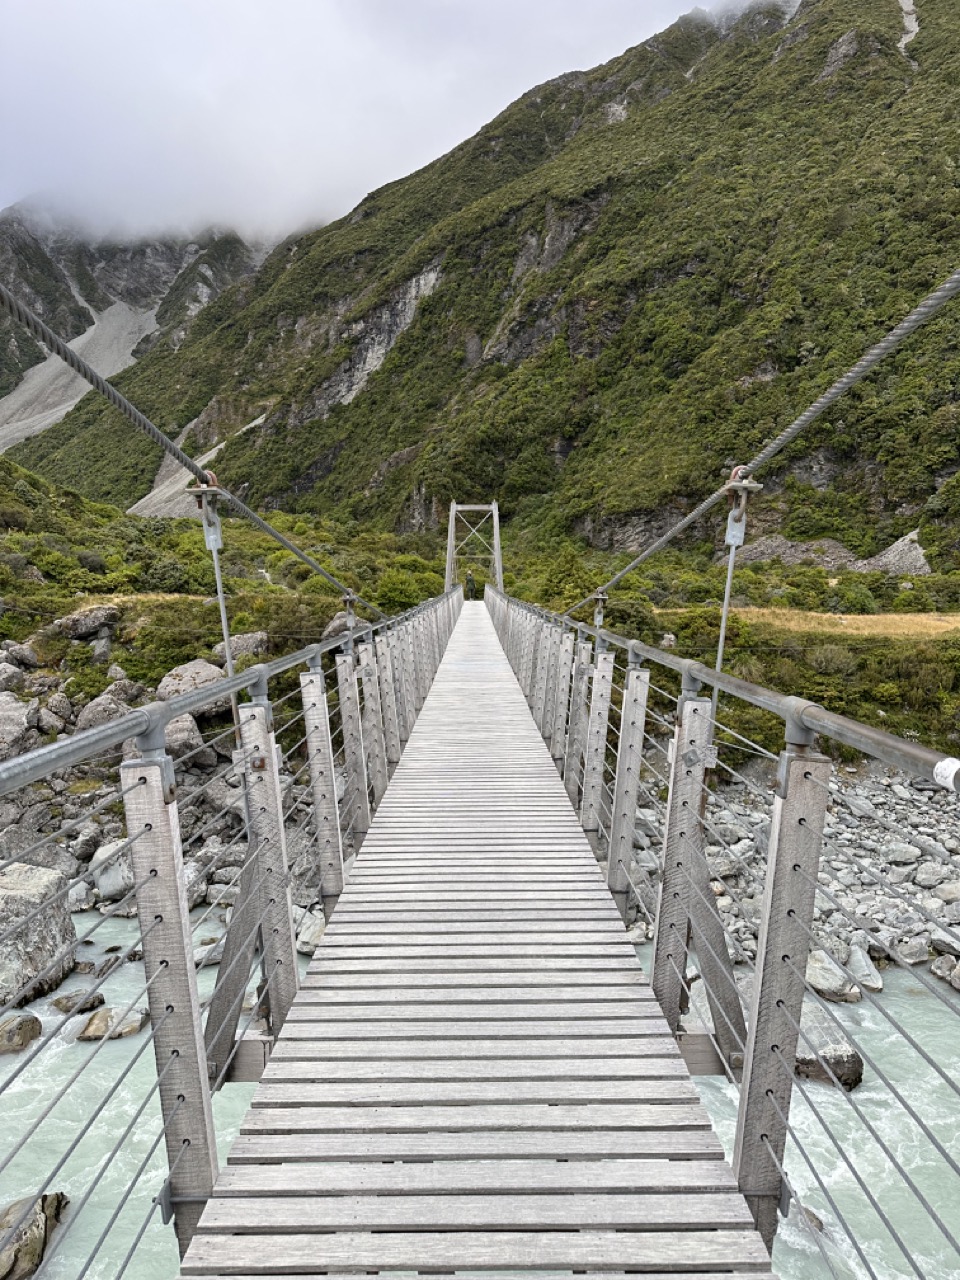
(92, 561)
(832, 660)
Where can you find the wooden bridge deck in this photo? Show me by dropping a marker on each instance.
(475, 1076)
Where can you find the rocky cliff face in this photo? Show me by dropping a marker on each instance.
(140, 294)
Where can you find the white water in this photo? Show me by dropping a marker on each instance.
(911, 25)
(796, 1256)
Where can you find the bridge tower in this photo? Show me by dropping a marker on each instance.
(466, 544)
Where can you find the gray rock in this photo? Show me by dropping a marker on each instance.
(79, 1001)
(18, 1030)
(899, 853)
(100, 651)
(247, 644)
(116, 672)
(87, 622)
(208, 954)
(60, 705)
(81, 898)
(194, 883)
(828, 979)
(310, 932)
(946, 942)
(184, 738)
(943, 967)
(114, 1025)
(125, 690)
(111, 871)
(865, 972)
(47, 722)
(25, 845)
(339, 623)
(190, 676)
(913, 950)
(17, 726)
(22, 1250)
(222, 895)
(100, 711)
(44, 942)
(930, 874)
(24, 655)
(948, 893)
(11, 677)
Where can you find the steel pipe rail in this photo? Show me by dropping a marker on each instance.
(802, 717)
(69, 752)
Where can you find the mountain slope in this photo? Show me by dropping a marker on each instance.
(113, 299)
(603, 299)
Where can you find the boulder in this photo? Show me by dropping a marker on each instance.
(184, 739)
(18, 1030)
(100, 711)
(310, 932)
(60, 705)
(18, 721)
(865, 972)
(913, 950)
(100, 651)
(24, 655)
(949, 892)
(828, 979)
(943, 967)
(125, 690)
(339, 623)
(190, 676)
(45, 942)
(22, 1247)
(209, 953)
(110, 1023)
(945, 941)
(11, 677)
(900, 854)
(194, 883)
(111, 871)
(79, 1001)
(930, 874)
(116, 672)
(87, 622)
(81, 898)
(246, 645)
(20, 843)
(47, 722)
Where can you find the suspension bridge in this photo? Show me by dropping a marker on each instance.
(474, 1074)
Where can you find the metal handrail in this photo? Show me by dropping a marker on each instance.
(802, 717)
(69, 752)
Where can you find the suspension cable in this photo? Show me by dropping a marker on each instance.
(56, 344)
(924, 312)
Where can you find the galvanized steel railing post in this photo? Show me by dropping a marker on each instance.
(323, 781)
(267, 834)
(793, 860)
(157, 864)
(626, 785)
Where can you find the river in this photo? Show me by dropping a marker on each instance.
(797, 1257)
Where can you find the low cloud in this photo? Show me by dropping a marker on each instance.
(268, 115)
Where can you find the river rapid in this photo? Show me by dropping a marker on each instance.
(98, 1173)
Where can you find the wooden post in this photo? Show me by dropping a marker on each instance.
(527, 657)
(793, 860)
(596, 745)
(687, 767)
(422, 680)
(550, 695)
(561, 700)
(267, 835)
(156, 858)
(323, 781)
(577, 729)
(408, 674)
(388, 697)
(542, 635)
(626, 786)
(356, 799)
(373, 737)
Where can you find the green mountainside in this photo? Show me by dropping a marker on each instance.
(613, 291)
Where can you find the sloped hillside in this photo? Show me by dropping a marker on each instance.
(603, 299)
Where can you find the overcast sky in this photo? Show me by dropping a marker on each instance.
(269, 114)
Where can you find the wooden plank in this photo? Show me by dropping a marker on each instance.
(328, 1093)
(615, 1211)
(478, 1116)
(320, 1026)
(505, 1177)
(506, 996)
(690, 1144)
(689, 1251)
(608, 1010)
(624, 1071)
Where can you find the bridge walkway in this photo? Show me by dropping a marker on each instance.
(475, 1075)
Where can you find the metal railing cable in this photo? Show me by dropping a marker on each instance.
(23, 315)
(931, 306)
